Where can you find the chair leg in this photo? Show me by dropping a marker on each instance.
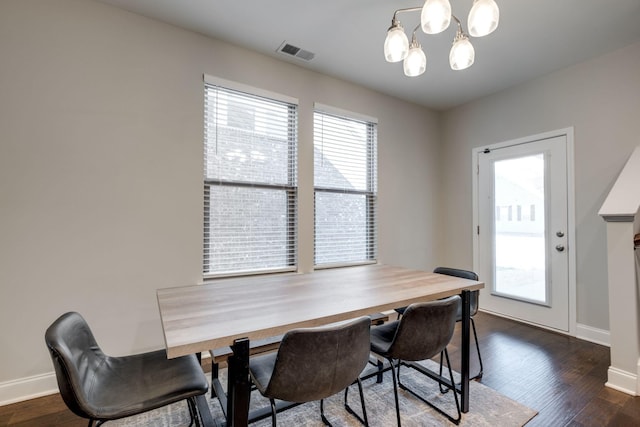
(193, 412)
(364, 421)
(395, 391)
(273, 413)
(475, 336)
(451, 385)
(324, 419)
(479, 374)
(443, 390)
(364, 407)
(455, 394)
(189, 405)
(377, 363)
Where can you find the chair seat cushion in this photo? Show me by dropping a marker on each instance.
(123, 386)
(261, 369)
(382, 337)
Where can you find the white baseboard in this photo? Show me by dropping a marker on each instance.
(27, 388)
(583, 332)
(594, 335)
(623, 381)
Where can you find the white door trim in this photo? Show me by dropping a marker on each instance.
(571, 212)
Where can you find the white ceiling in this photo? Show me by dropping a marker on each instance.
(534, 37)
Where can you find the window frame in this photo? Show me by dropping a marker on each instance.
(371, 193)
(290, 188)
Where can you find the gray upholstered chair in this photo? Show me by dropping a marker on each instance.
(423, 331)
(473, 302)
(313, 364)
(103, 388)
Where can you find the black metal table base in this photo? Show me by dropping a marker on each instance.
(464, 369)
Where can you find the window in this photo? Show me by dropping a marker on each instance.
(250, 181)
(345, 188)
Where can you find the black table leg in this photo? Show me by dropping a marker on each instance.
(239, 386)
(466, 316)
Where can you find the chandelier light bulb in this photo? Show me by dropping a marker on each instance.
(396, 45)
(416, 61)
(436, 16)
(483, 18)
(462, 53)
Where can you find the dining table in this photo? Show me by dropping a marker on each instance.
(235, 311)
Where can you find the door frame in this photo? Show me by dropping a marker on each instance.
(571, 214)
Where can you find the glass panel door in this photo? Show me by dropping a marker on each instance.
(519, 227)
(521, 242)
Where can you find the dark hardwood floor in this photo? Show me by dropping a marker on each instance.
(560, 377)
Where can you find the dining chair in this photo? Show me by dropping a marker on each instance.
(473, 302)
(314, 363)
(102, 388)
(423, 331)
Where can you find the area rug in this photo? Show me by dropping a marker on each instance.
(487, 407)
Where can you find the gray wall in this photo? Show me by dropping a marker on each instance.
(101, 168)
(601, 100)
(101, 159)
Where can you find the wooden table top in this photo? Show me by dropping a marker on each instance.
(204, 317)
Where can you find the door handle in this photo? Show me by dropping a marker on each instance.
(559, 248)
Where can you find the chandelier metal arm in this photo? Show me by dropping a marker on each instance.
(409, 9)
(416, 29)
(415, 9)
(459, 31)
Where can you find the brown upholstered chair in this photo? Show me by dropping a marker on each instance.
(473, 302)
(103, 388)
(423, 331)
(313, 364)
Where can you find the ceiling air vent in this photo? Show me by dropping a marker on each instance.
(295, 51)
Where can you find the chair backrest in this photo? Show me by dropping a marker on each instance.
(316, 363)
(465, 274)
(76, 357)
(425, 329)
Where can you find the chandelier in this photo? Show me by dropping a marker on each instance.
(435, 18)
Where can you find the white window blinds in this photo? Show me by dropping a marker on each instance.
(250, 183)
(345, 176)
